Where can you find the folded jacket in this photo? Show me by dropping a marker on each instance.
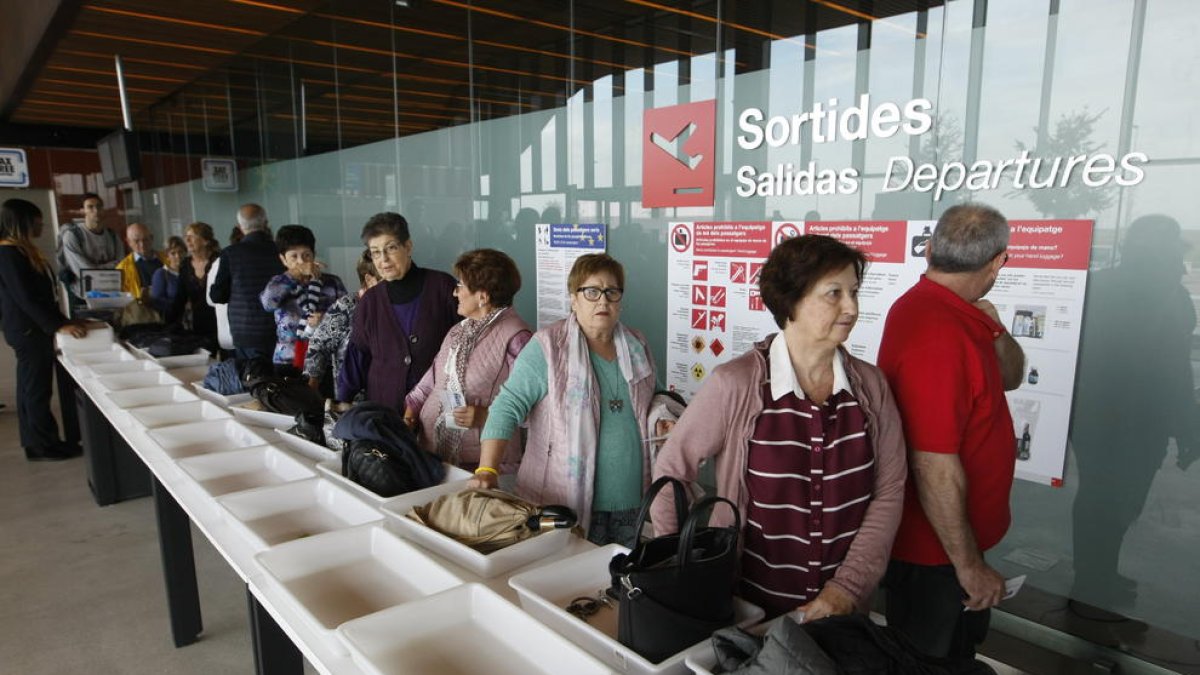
(384, 425)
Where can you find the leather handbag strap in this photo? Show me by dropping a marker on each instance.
(688, 531)
(681, 501)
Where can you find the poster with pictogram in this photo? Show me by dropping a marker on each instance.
(713, 278)
(557, 246)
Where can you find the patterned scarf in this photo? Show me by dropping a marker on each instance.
(447, 439)
(310, 298)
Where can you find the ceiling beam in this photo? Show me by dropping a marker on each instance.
(31, 31)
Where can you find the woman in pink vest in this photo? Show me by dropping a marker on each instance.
(449, 406)
(585, 385)
(806, 440)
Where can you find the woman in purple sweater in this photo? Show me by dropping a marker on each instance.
(400, 323)
(450, 404)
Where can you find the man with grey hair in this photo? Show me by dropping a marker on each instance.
(949, 360)
(243, 272)
(251, 218)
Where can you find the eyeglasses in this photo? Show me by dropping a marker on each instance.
(389, 251)
(593, 293)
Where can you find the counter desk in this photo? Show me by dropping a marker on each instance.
(281, 635)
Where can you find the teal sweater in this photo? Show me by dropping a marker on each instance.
(618, 476)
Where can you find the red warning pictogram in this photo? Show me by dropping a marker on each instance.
(716, 321)
(716, 296)
(756, 302)
(786, 231)
(699, 270)
(700, 319)
(699, 295)
(755, 272)
(717, 347)
(681, 237)
(737, 273)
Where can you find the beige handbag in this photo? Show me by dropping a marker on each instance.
(489, 520)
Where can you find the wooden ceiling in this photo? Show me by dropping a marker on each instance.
(373, 69)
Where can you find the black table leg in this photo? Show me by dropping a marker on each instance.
(66, 404)
(179, 567)
(274, 653)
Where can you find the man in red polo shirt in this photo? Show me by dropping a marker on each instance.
(949, 361)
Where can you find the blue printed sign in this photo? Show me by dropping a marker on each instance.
(578, 235)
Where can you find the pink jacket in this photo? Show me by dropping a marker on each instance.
(552, 473)
(487, 369)
(719, 422)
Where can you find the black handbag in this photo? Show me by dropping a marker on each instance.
(675, 590)
(176, 344)
(286, 395)
(310, 426)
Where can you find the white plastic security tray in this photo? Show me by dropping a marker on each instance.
(219, 399)
(118, 367)
(155, 416)
(109, 302)
(115, 354)
(305, 447)
(340, 576)
(159, 395)
(147, 378)
(189, 373)
(332, 469)
(467, 629)
(199, 357)
(100, 337)
(198, 438)
(486, 566)
(253, 412)
(546, 591)
(274, 515)
(245, 469)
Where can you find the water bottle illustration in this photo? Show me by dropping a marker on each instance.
(1023, 444)
(1033, 376)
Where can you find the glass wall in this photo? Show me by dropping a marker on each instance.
(478, 120)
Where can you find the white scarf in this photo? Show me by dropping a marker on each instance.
(582, 427)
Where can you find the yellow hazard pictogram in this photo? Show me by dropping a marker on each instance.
(698, 372)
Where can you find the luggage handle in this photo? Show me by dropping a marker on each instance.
(688, 531)
(681, 502)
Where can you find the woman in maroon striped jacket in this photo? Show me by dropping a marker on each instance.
(806, 440)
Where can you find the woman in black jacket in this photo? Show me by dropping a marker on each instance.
(30, 317)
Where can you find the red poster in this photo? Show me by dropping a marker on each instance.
(1050, 244)
(732, 240)
(880, 240)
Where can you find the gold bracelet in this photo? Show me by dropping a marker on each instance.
(487, 469)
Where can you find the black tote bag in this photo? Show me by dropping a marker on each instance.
(675, 590)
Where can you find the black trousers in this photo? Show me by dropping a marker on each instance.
(924, 603)
(35, 378)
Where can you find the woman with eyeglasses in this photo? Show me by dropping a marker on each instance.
(31, 318)
(450, 404)
(585, 386)
(400, 323)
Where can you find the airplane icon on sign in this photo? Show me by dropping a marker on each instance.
(674, 146)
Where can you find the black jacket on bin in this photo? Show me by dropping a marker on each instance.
(245, 269)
